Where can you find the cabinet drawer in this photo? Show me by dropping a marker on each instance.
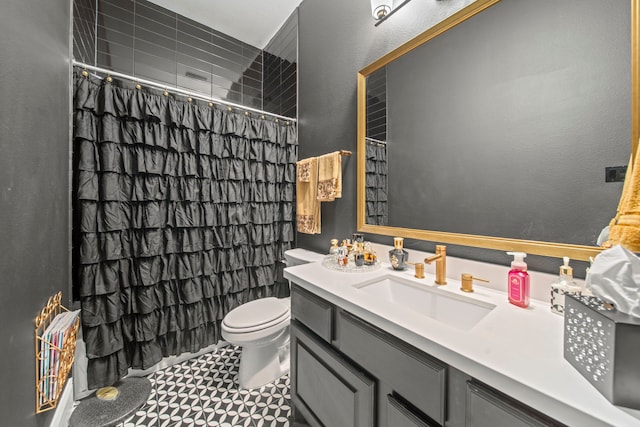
(325, 388)
(400, 415)
(314, 312)
(417, 377)
(487, 407)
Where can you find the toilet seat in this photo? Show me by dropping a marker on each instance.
(256, 315)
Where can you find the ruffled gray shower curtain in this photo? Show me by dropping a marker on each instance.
(182, 212)
(376, 183)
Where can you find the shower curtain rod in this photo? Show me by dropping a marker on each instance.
(198, 95)
(376, 141)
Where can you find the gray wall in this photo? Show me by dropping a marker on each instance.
(34, 187)
(336, 39)
(522, 106)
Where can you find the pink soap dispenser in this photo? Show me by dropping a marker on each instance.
(518, 286)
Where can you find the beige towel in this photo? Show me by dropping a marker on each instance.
(307, 204)
(330, 177)
(624, 229)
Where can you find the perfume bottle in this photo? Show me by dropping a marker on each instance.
(358, 238)
(343, 254)
(333, 250)
(398, 256)
(359, 255)
(370, 257)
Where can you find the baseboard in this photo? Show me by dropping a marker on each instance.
(173, 360)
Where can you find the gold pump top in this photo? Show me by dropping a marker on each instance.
(566, 268)
(398, 242)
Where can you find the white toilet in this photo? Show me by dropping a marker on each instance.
(261, 328)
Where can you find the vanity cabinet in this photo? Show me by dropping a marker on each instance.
(326, 388)
(417, 377)
(346, 372)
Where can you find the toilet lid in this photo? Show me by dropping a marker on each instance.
(256, 314)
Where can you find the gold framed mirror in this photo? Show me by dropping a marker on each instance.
(532, 246)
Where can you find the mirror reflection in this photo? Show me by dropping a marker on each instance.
(504, 125)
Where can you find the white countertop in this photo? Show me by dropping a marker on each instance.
(518, 351)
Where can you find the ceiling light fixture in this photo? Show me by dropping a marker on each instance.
(381, 8)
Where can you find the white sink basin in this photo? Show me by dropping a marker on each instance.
(455, 310)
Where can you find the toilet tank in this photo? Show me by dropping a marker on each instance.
(300, 256)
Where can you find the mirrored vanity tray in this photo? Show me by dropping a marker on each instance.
(330, 262)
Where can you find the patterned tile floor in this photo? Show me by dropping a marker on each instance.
(203, 392)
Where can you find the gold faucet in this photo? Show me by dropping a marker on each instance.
(441, 264)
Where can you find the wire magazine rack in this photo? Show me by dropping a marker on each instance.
(54, 357)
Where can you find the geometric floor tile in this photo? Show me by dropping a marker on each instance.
(203, 392)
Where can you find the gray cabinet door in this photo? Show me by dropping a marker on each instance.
(419, 378)
(489, 408)
(325, 388)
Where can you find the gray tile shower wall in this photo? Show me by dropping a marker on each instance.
(148, 41)
(280, 70)
(84, 22)
(377, 105)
